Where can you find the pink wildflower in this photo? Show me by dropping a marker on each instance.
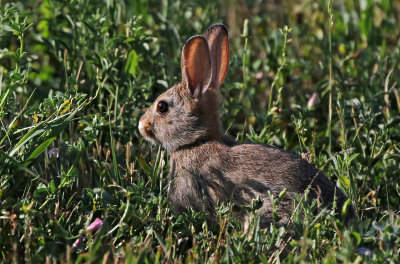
(312, 101)
(95, 225)
(77, 242)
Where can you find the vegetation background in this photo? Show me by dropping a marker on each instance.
(75, 76)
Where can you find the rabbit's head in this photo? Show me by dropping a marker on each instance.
(188, 112)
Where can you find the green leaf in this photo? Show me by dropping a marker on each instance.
(42, 147)
(49, 102)
(52, 186)
(139, 199)
(28, 27)
(357, 236)
(145, 167)
(32, 110)
(132, 62)
(15, 27)
(3, 100)
(6, 28)
(282, 194)
(41, 191)
(16, 76)
(71, 80)
(32, 133)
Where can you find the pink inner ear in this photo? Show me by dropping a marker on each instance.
(224, 62)
(217, 36)
(196, 64)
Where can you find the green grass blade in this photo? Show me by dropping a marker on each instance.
(42, 147)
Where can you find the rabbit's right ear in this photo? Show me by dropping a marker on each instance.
(196, 65)
(217, 36)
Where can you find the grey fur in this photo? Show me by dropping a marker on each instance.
(207, 166)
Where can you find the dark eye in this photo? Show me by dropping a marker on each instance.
(162, 107)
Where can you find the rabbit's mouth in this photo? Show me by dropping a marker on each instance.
(147, 132)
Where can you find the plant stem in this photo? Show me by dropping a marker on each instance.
(245, 35)
(329, 129)
(285, 31)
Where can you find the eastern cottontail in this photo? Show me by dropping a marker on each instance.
(207, 166)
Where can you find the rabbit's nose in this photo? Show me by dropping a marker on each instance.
(145, 129)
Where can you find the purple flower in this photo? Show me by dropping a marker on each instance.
(312, 101)
(364, 251)
(95, 225)
(77, 242)
(54, 153)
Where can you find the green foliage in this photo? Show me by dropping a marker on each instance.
(76, 75)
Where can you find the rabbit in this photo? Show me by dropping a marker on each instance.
(206, 166)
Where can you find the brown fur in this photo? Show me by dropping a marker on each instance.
(207, 166)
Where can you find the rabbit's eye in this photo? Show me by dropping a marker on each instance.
(162, 107)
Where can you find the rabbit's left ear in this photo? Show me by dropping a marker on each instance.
(217, 36)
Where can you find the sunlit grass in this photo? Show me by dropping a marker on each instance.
(79, 184)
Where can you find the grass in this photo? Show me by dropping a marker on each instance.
(75, 77)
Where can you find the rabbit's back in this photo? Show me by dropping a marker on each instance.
(205, 174)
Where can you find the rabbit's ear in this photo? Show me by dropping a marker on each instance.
(196, 65)
(217, 36)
